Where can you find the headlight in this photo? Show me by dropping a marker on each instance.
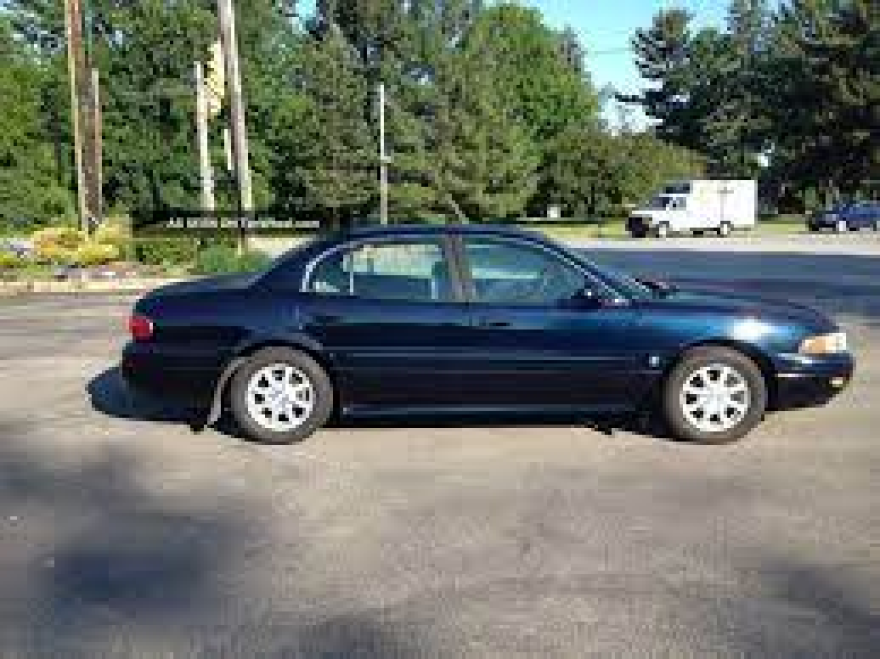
(824, 344)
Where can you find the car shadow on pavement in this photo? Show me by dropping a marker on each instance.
(110, 395)
(639, 424)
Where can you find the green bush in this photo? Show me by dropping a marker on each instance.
(222, 259)
(166, 251)
(57, 244)
(253, 261)
(9, 261)
(113, 233)
(95, 253)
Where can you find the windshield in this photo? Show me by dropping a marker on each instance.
(659, 203)
(619, 280)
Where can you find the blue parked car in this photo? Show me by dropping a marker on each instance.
(474, 319)
(847, 217)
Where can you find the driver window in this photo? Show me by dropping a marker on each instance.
(506, 272)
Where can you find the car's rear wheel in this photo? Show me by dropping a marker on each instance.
(714, 395)
(280, 396)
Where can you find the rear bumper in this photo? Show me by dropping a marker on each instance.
(187, 378)
(804, 381)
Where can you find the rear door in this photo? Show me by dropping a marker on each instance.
(391, 315)
(537, 340)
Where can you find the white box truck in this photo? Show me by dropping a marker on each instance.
(697, 206)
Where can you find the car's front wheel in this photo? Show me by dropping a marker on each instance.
(280, 396)
(714, 395)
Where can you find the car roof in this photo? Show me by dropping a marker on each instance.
(391, 230)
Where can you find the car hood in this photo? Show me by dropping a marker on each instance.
(745, 305)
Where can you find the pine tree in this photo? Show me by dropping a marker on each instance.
(826, 87)
(458, 147)
(30, 190)
(324, 150)
(663, 57)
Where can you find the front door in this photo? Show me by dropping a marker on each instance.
(545, 332)
(390, 314)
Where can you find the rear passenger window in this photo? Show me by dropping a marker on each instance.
(406, 270)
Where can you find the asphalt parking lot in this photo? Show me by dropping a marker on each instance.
(124, 534)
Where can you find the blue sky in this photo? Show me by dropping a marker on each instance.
(605, 29)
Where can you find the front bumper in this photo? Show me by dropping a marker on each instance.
(808, 381)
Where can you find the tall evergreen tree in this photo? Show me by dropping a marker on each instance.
(322, 146)
(826, 85)
(30, 190)
(663, 57)
(457, 150)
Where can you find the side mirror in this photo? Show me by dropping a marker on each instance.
(588, 298)
(663, 288)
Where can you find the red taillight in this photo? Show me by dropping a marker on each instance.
(141, 327)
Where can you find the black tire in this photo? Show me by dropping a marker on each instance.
(321, 395)
(725, 229)
(706, 357)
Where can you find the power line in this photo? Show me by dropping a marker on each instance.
(608, 51)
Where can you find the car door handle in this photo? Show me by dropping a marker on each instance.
(490, 323)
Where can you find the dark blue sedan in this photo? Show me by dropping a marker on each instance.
(847, 217)
(473, 319)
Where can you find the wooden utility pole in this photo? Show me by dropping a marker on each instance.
(206, 175)
(383, 160)
(75, 70)
(97, 182)
(236, 112)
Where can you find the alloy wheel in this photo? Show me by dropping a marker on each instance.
(280, 397)
(715, 398)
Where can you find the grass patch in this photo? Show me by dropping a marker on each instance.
(616, 229)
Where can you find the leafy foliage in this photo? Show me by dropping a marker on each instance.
(491, 113)
(32, 185)
(222, 259)
(797, 89)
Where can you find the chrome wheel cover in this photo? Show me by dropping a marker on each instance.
(280, 397)
(715, 398)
